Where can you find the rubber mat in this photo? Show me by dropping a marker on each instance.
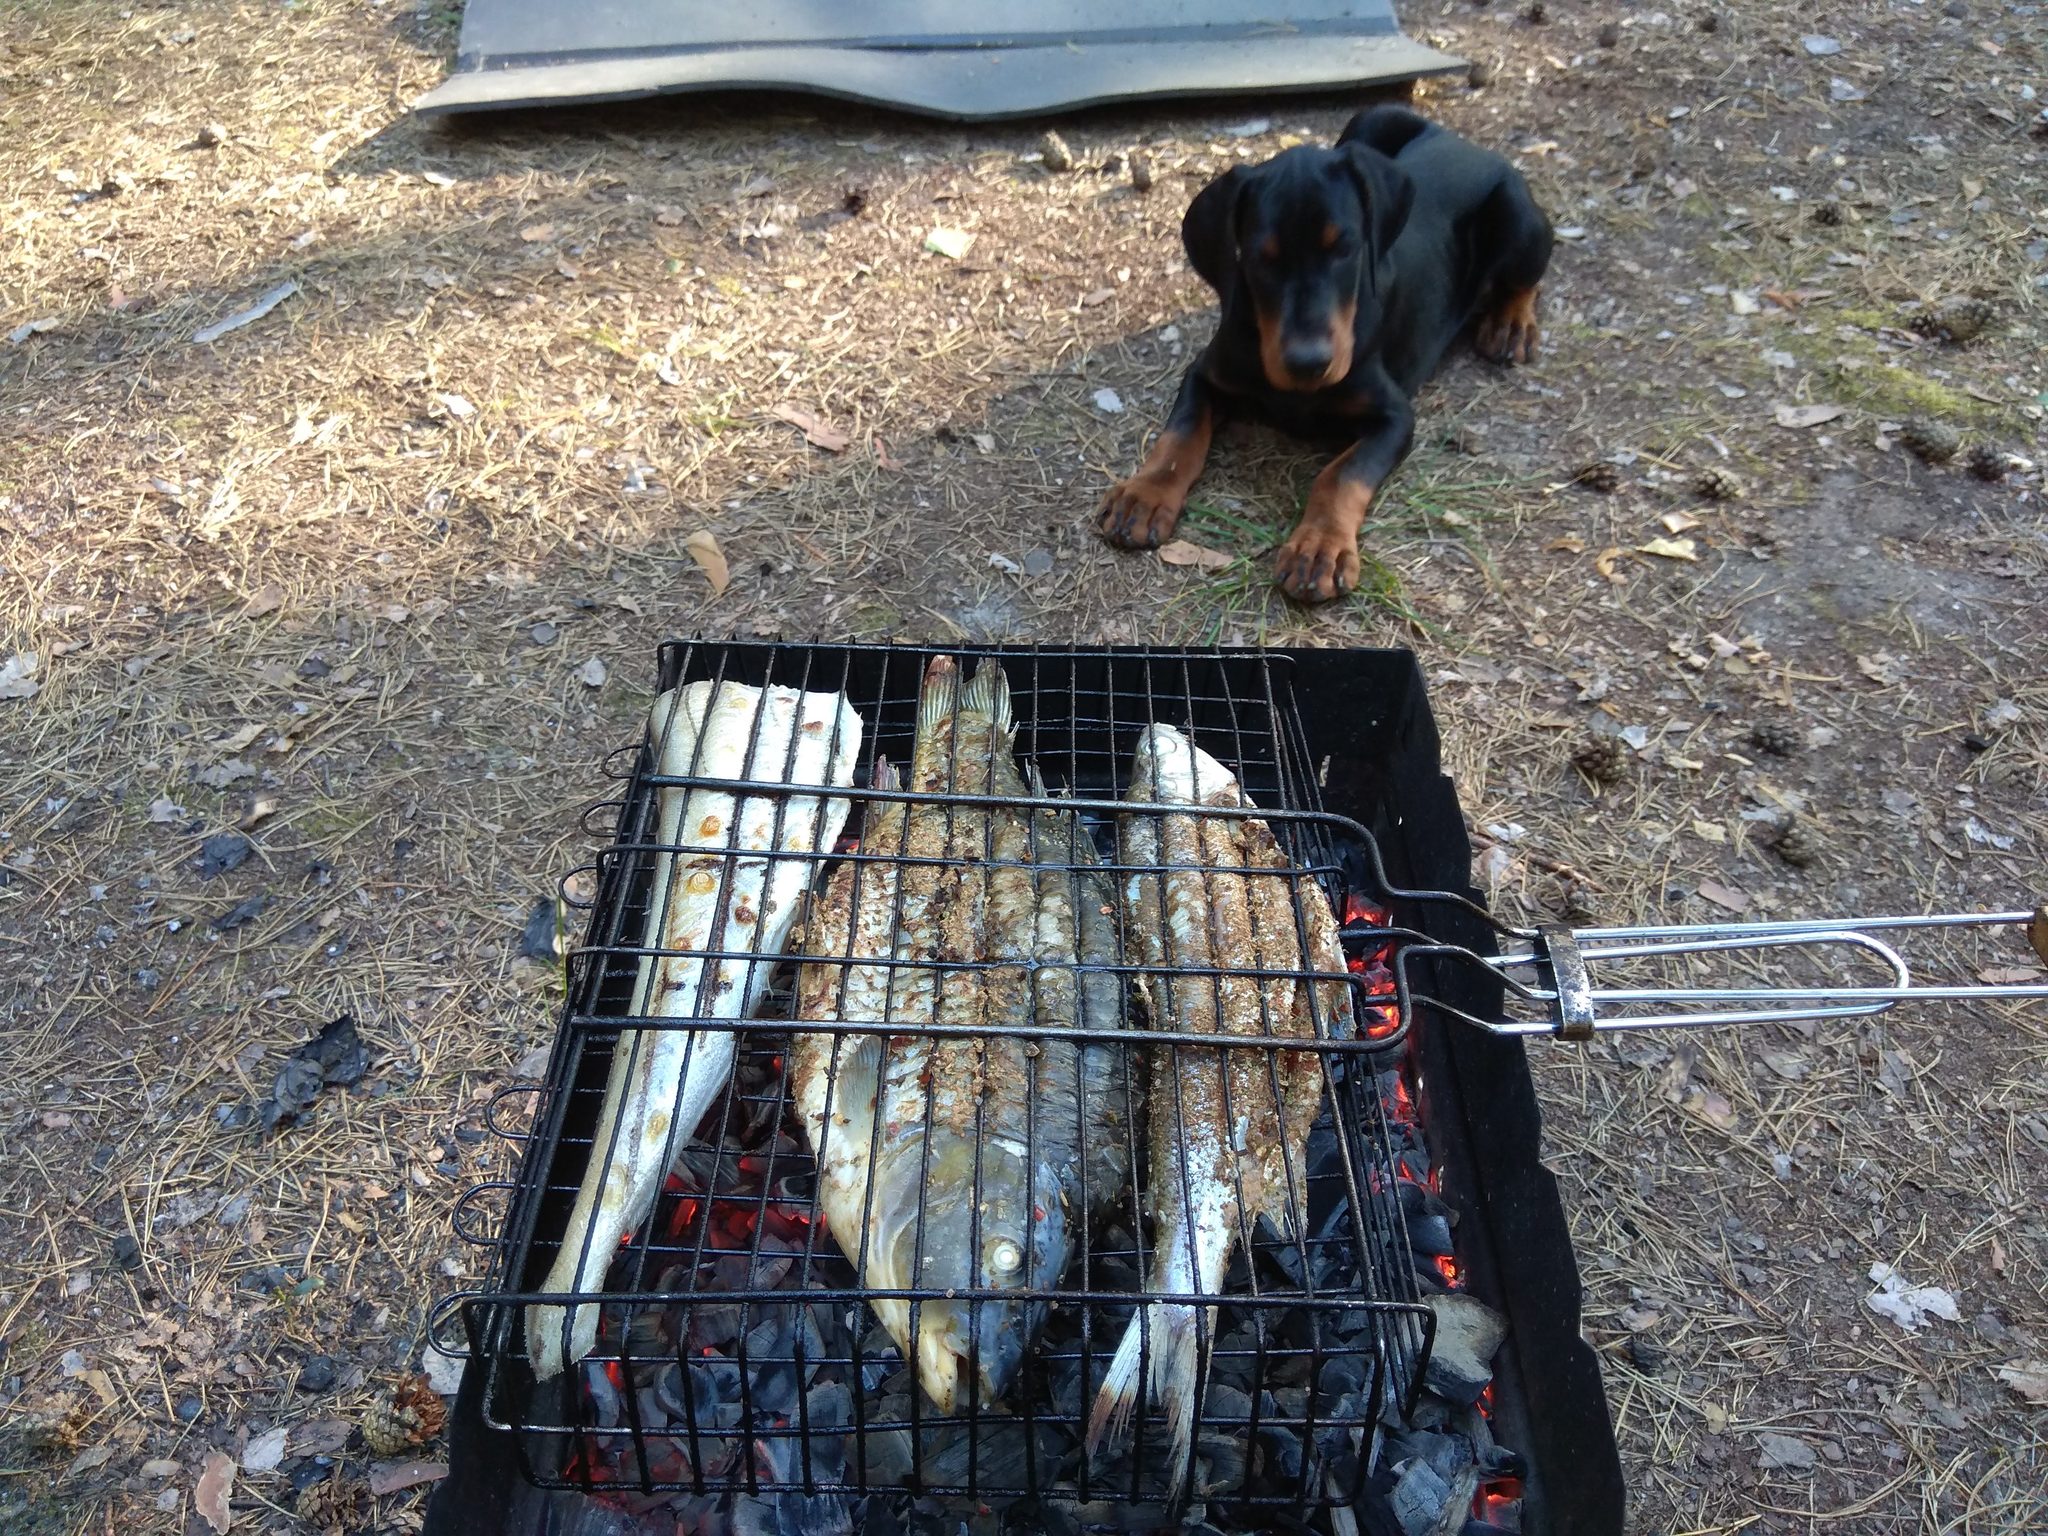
(967, 60)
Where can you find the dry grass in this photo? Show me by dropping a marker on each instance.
(183, 529)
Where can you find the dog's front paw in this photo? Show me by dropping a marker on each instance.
(1510, 334)
(1141, 512)
(1319, 562)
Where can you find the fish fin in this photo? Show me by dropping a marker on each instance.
(988, 695)
(885, 777)
(1176, 1378)
(1109, 1421)
(1176, 1374)
(940, 699)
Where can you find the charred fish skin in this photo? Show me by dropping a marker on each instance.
(709, 895)
(971, 1166)
(1228, 1132)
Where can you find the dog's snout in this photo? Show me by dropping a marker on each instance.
(1307, 358)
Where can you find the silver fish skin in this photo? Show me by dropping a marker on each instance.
(709, 896)
(907, 1129)
(1228, 1131)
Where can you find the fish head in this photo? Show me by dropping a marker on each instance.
(1014, 1238)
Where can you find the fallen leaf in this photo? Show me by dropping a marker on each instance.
(1678, 522)
(1802, 416)
(221, 775)
(456, 406)
(1097, 296)
(164, 810)
(1714, 1108)
(210, 1494)
(395, 1476)
(1790, 1065)
(242, 317)
(266, 599)
(1570, 544)
(1884, 668)
(883, 459)
(1109, 402)
(2029, 1378)
(1776, 1452)
(703, 548)
(535, 234)
(2009, 975)
(265, 1451)
(1709, 831)
(18, 676)
(591, 674)
(1183, 552)
(1670, 549)
(816, 430)
(320, 1437)
(1004, 563)
(236, 741)
(948, 242)
(1910, 1306)
(1604, 562)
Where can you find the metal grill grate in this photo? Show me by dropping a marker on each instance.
(736, 1350)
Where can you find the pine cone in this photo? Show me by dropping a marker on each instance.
(339, 1503)
(1141, 170)
(1055, 152)
(1603, 759)
(1797, 844)
(1717, 484)
(1599, 476)
(1934, 441)
(1987, 462)
(1780, 737)
(1828, 215)
(412, 1415)
(56, 1433)
(1957, 320)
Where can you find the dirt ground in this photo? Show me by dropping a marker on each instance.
(377, 578)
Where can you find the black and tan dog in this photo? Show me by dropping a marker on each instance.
(1345, 275)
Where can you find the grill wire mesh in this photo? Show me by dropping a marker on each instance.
(737, 1351)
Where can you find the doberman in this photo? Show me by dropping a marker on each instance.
(1345, 275)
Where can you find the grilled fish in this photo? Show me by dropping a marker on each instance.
(949, 1164)
(711, 896)
(1229, 1129)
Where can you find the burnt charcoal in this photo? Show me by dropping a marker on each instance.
(541, 938)
(318, 1374)
(127, 1253)
(222, 852)
(715, 1397)
(1447, 1454)
(242, 913)
(335, 1058)
(712, 1326)
(1344, 1375)
(1220, 1463)
(606, 1401)
(796, 1514)
(1431, 1236)
(1421, 1498)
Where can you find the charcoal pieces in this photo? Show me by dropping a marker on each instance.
(1468, 1332)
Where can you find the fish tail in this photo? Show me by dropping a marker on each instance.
(1175, 1330)
(1110, 1419)
(1176, 1372)
(988, 695)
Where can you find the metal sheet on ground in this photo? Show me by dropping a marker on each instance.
(961, 59)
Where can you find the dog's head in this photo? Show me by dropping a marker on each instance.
(1305, 233)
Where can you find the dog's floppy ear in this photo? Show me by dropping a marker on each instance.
(1209, 230)
(1386, 190)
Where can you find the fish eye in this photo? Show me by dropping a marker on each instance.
(1005, 1258)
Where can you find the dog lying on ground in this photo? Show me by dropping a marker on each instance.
(1345, 275)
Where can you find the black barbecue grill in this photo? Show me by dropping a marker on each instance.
(739, 1381)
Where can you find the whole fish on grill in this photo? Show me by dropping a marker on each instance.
(909, 1129)
(708, 893)
(1229, 1129)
